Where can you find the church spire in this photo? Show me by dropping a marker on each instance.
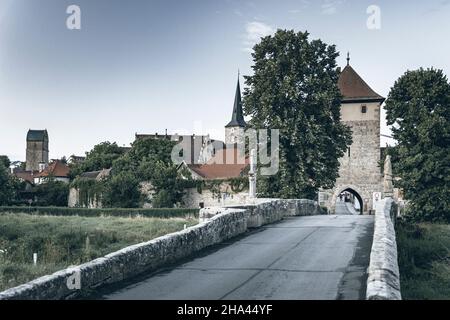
(237, 118)
(348, 58)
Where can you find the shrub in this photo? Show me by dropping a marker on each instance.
(115, 212)
(424, 257)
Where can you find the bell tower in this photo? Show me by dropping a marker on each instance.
(234, 130)
(37, 149)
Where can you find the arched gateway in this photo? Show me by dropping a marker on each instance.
(359, 172)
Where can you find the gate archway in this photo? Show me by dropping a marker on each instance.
(349, 194)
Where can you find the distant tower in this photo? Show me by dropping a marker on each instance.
(234, 131)
(37, 149)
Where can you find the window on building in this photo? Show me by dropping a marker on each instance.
(349, 152)
(363, 109)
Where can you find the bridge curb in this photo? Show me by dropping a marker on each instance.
(383, 281)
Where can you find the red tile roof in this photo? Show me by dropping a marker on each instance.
(355, 89)
(25, 175)
(226, 164)
(218, 171)
(56, 169)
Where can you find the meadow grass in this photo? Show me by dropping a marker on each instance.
(424, 260)
(62, 241)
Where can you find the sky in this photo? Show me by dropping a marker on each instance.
(140, 66)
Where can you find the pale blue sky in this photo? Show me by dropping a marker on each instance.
(144, 66)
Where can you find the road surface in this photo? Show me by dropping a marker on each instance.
(345, 208)
(299, 258)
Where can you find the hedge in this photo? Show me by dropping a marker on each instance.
(114, 212)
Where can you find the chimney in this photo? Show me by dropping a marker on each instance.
(41, 166)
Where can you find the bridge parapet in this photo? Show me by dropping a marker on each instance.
(383, 282)
(265, 211)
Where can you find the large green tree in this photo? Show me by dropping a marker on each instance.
(294, 89)
(122, 191)
(149, 160)
(52, 193)
(10, 186)
(5, 161)
(5, 187)
(100, 157)
(418, 108)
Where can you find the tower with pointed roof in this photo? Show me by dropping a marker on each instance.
(37, 149)
(234, 130)
(359, 172)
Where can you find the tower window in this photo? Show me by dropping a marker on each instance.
(363, 109)
(348, 152)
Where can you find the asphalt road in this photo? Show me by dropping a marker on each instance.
(342, 208)
(299, 258)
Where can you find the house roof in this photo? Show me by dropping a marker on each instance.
(226, 164)
(90, 174)
(237, 117)
(355, 89)
(218, 171)
(97, 175)
(24, 175)
(56, 169)
(37, 135)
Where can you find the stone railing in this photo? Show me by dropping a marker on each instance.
(265, 211)
(217, 225)
(383, 281)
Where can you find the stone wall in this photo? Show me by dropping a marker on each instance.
(74, 200)
(265, 211)
(36, 152)
(383, 281)
(193, 198)
(218, 225)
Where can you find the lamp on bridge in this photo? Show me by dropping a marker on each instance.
(388, 188)
(252, 175)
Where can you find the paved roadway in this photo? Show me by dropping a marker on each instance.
(299, 258)
(345, 208)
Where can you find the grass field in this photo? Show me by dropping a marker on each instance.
(63, 241)
(424, 260)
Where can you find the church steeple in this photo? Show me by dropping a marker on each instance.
(237, 118)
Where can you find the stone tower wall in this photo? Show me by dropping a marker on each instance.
(359, 168)
(37, 151)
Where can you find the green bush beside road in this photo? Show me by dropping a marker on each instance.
(424, 260)
(114, 212)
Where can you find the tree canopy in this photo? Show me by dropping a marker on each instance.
(418, 108)
(10, 186)
(5, 161)
(148, 160)
(52, 193)
(100, 157)
(294, 89)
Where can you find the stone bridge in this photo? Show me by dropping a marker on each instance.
(273, 249)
